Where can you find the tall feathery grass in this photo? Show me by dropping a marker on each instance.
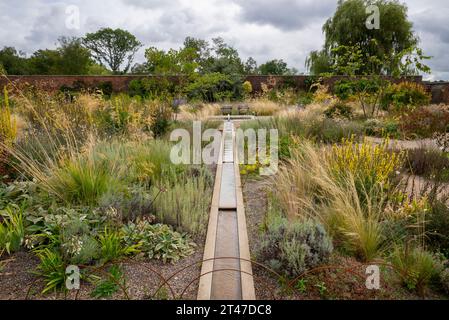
(201, 113)
(264, 107)
(315, 185)
(307, 123)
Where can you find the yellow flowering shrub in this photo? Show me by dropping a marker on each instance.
(368, 163)
(321, 95)
(8, 125)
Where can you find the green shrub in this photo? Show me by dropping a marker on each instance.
(160, 120)
(339, 110)
(152, 88)
(344, 89)
(213, 87)
(305, 98)
(135, 88)
(157, 241)
(294, 247)
(106, 88)
(368, 92)
(12, 229)
(77, 241)
(247, 88)
(391, 129)
(157, 88)
(405, 95)
(380, 128)
(415, 267)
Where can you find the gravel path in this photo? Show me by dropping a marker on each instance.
(405, 144)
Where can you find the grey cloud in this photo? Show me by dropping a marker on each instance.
(433, 30)
(150, 4)
(433, 22)
(286, 14)
(48, 26)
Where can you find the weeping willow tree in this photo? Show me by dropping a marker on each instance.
(394, 42)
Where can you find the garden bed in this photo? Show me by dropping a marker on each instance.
(144, 279)
(343, 280)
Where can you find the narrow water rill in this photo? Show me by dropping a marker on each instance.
(226, 271)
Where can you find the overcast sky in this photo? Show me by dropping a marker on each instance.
(263, 29)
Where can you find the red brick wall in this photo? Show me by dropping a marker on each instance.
(54, 83)
(440, 91)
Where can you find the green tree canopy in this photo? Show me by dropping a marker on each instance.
(222, 58)
(196, 56)
(251, 66)
(172, 62)
(74, 58)
(14, 62)
(113, 48)
(45, 62)
(70, 58)
(394, 41)
(319, 62)
(275, 67)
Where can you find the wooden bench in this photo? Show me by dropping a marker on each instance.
(226, 109)
(243, 109)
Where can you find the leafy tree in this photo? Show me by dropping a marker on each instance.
(70, 58)
(394, 40)
(114, 48)
(201, 64)
(223, 59)
(140, 68)
(74, 58)
(13, 62)
(201, 48)
(250, 66)
(369, 88)
(275, 67)
(172, 62)
(212, 87)
(319, 62)
(45, 62)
